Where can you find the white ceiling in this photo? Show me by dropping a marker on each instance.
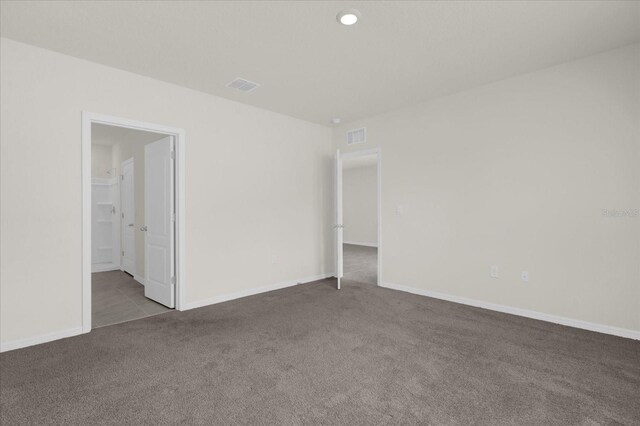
(309, 66)
(102, 134)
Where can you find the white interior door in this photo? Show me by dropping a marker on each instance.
(339, 227)
(128, 213)
(159, 222)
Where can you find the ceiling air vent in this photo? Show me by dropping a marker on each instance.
(357, 136)
(243, 85)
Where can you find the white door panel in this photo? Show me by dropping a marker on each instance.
(159, 236)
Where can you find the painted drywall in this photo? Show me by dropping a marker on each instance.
(258, 186)
(517, 174)
(360, 206)
(401, 53)
(101, 161)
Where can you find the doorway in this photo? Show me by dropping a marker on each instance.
(358, 221)
(145, 215)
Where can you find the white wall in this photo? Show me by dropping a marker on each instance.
(258, 183)
(360, 205)
(516, 174)
(101, 161)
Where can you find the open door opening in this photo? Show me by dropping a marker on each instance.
(133, 228)
(338, 227)
(358, 220)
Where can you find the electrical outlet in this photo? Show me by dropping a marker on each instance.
(494, 272)
(525, 276)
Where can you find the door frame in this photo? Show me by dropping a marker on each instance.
(88, 118)
(354, 154)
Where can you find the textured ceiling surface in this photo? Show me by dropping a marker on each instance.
(308, 66)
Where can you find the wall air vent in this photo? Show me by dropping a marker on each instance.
(357, 136)
(243, 85)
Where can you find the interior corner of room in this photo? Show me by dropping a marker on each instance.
(462, 173)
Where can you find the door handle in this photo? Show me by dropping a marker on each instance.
(131, 224)
(143, 228)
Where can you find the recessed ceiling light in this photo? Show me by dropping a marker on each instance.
(348, 17)
(335, 120)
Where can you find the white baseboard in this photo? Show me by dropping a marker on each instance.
(36, 340)
(358, 243)
(253, 291)
(139, 279)
(104, 267)
(599, 328)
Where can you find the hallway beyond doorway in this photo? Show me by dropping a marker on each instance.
(360, 263)
(117, 297)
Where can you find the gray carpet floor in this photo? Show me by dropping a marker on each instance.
(312, 354)
(360, 263)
